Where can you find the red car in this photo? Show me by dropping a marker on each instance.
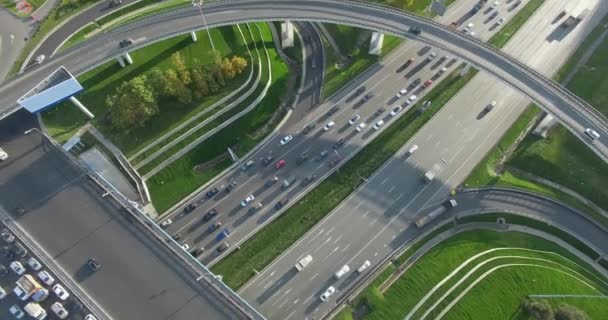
(280, 164)
(427, 83)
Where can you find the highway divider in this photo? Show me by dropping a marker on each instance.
(263, 247)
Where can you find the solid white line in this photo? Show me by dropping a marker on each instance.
(330, 230)
(366, 212)
(346, 247)
(305, 301)
(282, 304)
(375, 254)
(314, 276)
(384, 181)
(373, 221)
(337, 239)
(295, 302)
(291, 314)
(357, 205)
(391, 189)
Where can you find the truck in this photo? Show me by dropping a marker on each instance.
(28, 287)
(303, 262)
(573, 21)
(35, 311)
(429, 176)
(421, 222)
(288, 182)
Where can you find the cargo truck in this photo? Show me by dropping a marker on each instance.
(436, 213)
(28, 287)
(35, 311)
(288, 182)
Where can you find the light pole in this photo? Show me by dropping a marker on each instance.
(199, 4)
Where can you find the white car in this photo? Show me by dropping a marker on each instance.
(364, 266)
(60, 291)
(396, 110)
(247, 200)
(592, 134)
(500, 21)
(46, 277)
(185, 246)
(378, 125)
(354, 119)
(34, 264)
(331, 290)
(166, 223)
(401, 93)
(16, 311)
(22, 295)
(411, 99)
(59, 310)
(468, 27)
(17, 267)
(329, 125)
(40, 59)
(2, 293)
(90, 317)
(432, 55)
(286, 139)
(360, 127)
(495, 4)
(3, 154)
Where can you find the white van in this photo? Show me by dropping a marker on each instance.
(303, 262)
(344, 270)
(412, 149)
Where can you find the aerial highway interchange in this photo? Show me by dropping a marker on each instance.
(317, 137)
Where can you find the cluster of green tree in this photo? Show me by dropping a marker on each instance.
(543, 310)
(135, 101)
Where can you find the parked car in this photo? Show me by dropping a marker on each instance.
(378, 125)
(366, 97)
(222, 235)
(322, 155)
(411, 99)
(34, 264)
(2, 293)
(427, 83)
(19, 250)
(309, 128)
(328, 126)
(3, 271)
(125, 43)
(214, 226)
(401, 93)
(165, 223)
(222, 247)
(379, 111)
(90, 317)
(361, 126)
(197, 252)
(247, 200)
(309, 179)
(60, 291)
(396, 110)
(46, 277)
(7, 236)
(189, 208)
(255, 208)
(176, 236)
(325, 295)
(209, 215)
(281, 203)
(271, 181)
(335, 161)
(354, 119)
(333, 110)
(17, 267)
(339, 143)
(59, 310)
(40, 59)
(16, 311)
(3, 155)
(267, 160)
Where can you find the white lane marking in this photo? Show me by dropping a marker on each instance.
(291, 314)
(373, 221)
(375, 254)
(346, 247)
(268, 277)
(366, 212)
(319, 166)
(315, 236)
(394, 236)
(330, 230)
(267, 285)
(357, 205)
(282, 304)
(391, 189)
(337, 239)
(428, 138)
(314, 276)
(295, 302)
(384, 181)
(308, 299)
(450, 116)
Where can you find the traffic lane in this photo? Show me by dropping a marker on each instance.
(344, 118)
(521, 203)
(342, 130)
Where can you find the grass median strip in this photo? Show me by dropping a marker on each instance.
(272, 240)
(508, 31)
(179, 179)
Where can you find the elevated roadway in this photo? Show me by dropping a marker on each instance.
(572, 111)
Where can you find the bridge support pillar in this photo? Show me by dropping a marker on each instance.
(121, 61)
(193, 36)
(287, 34)
(548, 122)
(82, 107)
(375, 43)
(128, 58)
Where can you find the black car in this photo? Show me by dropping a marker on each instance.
(3, 271)
(189, 208)
(415, 30)
(222, 247)
(309, 179)
(229, 188)
(359, 91)
(176, 236)
(114, 3)
(302, 158)
(267, 160)
(19, 250)
(214, 226)
(309, 128)
(271, 181)
(126, 42)
(212, 193)
(339, 143)
(379, 111)
(197, 252)
(366, 97)
(333, 110)
(209, 215)
(93, 264)
(281, 203)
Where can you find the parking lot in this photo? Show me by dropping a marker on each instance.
(17, 261)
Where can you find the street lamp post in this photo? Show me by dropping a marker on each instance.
(199, 4)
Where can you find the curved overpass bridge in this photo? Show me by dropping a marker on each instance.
(571, 110)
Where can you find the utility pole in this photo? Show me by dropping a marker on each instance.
(199, 4)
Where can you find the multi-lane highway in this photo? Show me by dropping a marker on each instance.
(572, 111)
(378, 218)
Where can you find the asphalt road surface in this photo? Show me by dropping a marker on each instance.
(378, 218)
(569, 109)
(66, 214)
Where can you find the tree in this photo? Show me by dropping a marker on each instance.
(568, 312)
(177, 88)
(216, 72)
(213, 85)
(239, 64)
(180, 68)
(132, 105)
(158, 83)
(199, 83)
(228, 69)
(539, 309)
